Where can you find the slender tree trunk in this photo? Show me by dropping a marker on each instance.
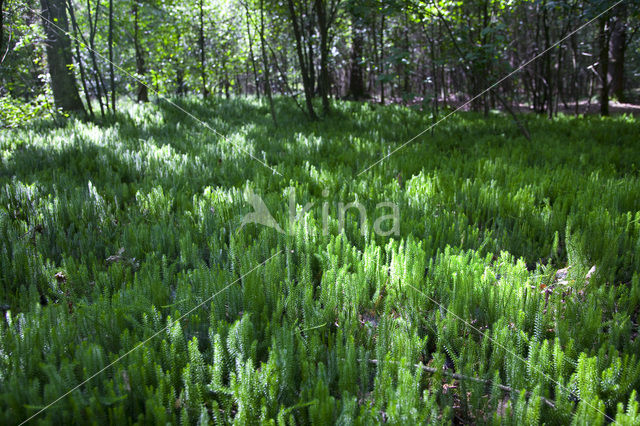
(603, 44)
(180, 86)
(547, 101)
(356, 85)
(406, 70)
(265, 65)
(58, 46)
(486, 59)
(308, 36)
(83, 77)
(323, 29)
(112, 79)
(617, 47)
(382, 58)
(307, 80)
(443, 72)
(97, 75)
(203, 73)
(376, 53)
(226, 82)
(575, 83)
(251, 56)
(434, 76)
(536, 81)
(1, 29)
(180, 90)
(143, 92)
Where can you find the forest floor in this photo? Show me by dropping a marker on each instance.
(593, 108)
(153, 271)
(631, 106)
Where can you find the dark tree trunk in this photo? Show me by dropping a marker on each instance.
(251, 55)
(143, 92)
(356, 84)
(305, 66)
(381, 77)
(308, 26)
(97, 75)
(575, 77)
(486, 61)
(226, 82)
(58, 45)
(112, 79)
(83, 75)
(434, 74)
(180, 89)
(603, 44)
(548, 77)
(406, 70)
(101, 87)
(323, 28)
(617, 47)
(203, 73)
(375, 69)
(1, 27)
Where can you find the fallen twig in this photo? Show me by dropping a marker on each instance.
(458, 376)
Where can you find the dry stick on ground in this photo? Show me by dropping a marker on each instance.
(458, 376)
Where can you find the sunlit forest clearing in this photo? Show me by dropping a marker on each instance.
(320, 212)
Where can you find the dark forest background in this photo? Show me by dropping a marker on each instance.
(430, 54)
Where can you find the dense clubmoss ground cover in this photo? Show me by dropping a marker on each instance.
(110, 231)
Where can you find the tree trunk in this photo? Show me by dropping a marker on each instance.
(381, 77)
(375, 69)
(83, 76)
(323, 29)
(143, 92)
(356, 84)
(97, 75)
(1, 28)
(603, 44)
(307, 80)
(112, 79)
(180, 89)
(58, 45)
(251, 56)
(203, 73)
(434, 76)
(548, 76)
(575, 77)
(406, 70)
(265, 65)
(308, 36)
(617, 47)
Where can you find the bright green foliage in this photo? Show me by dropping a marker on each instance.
(109, 232)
